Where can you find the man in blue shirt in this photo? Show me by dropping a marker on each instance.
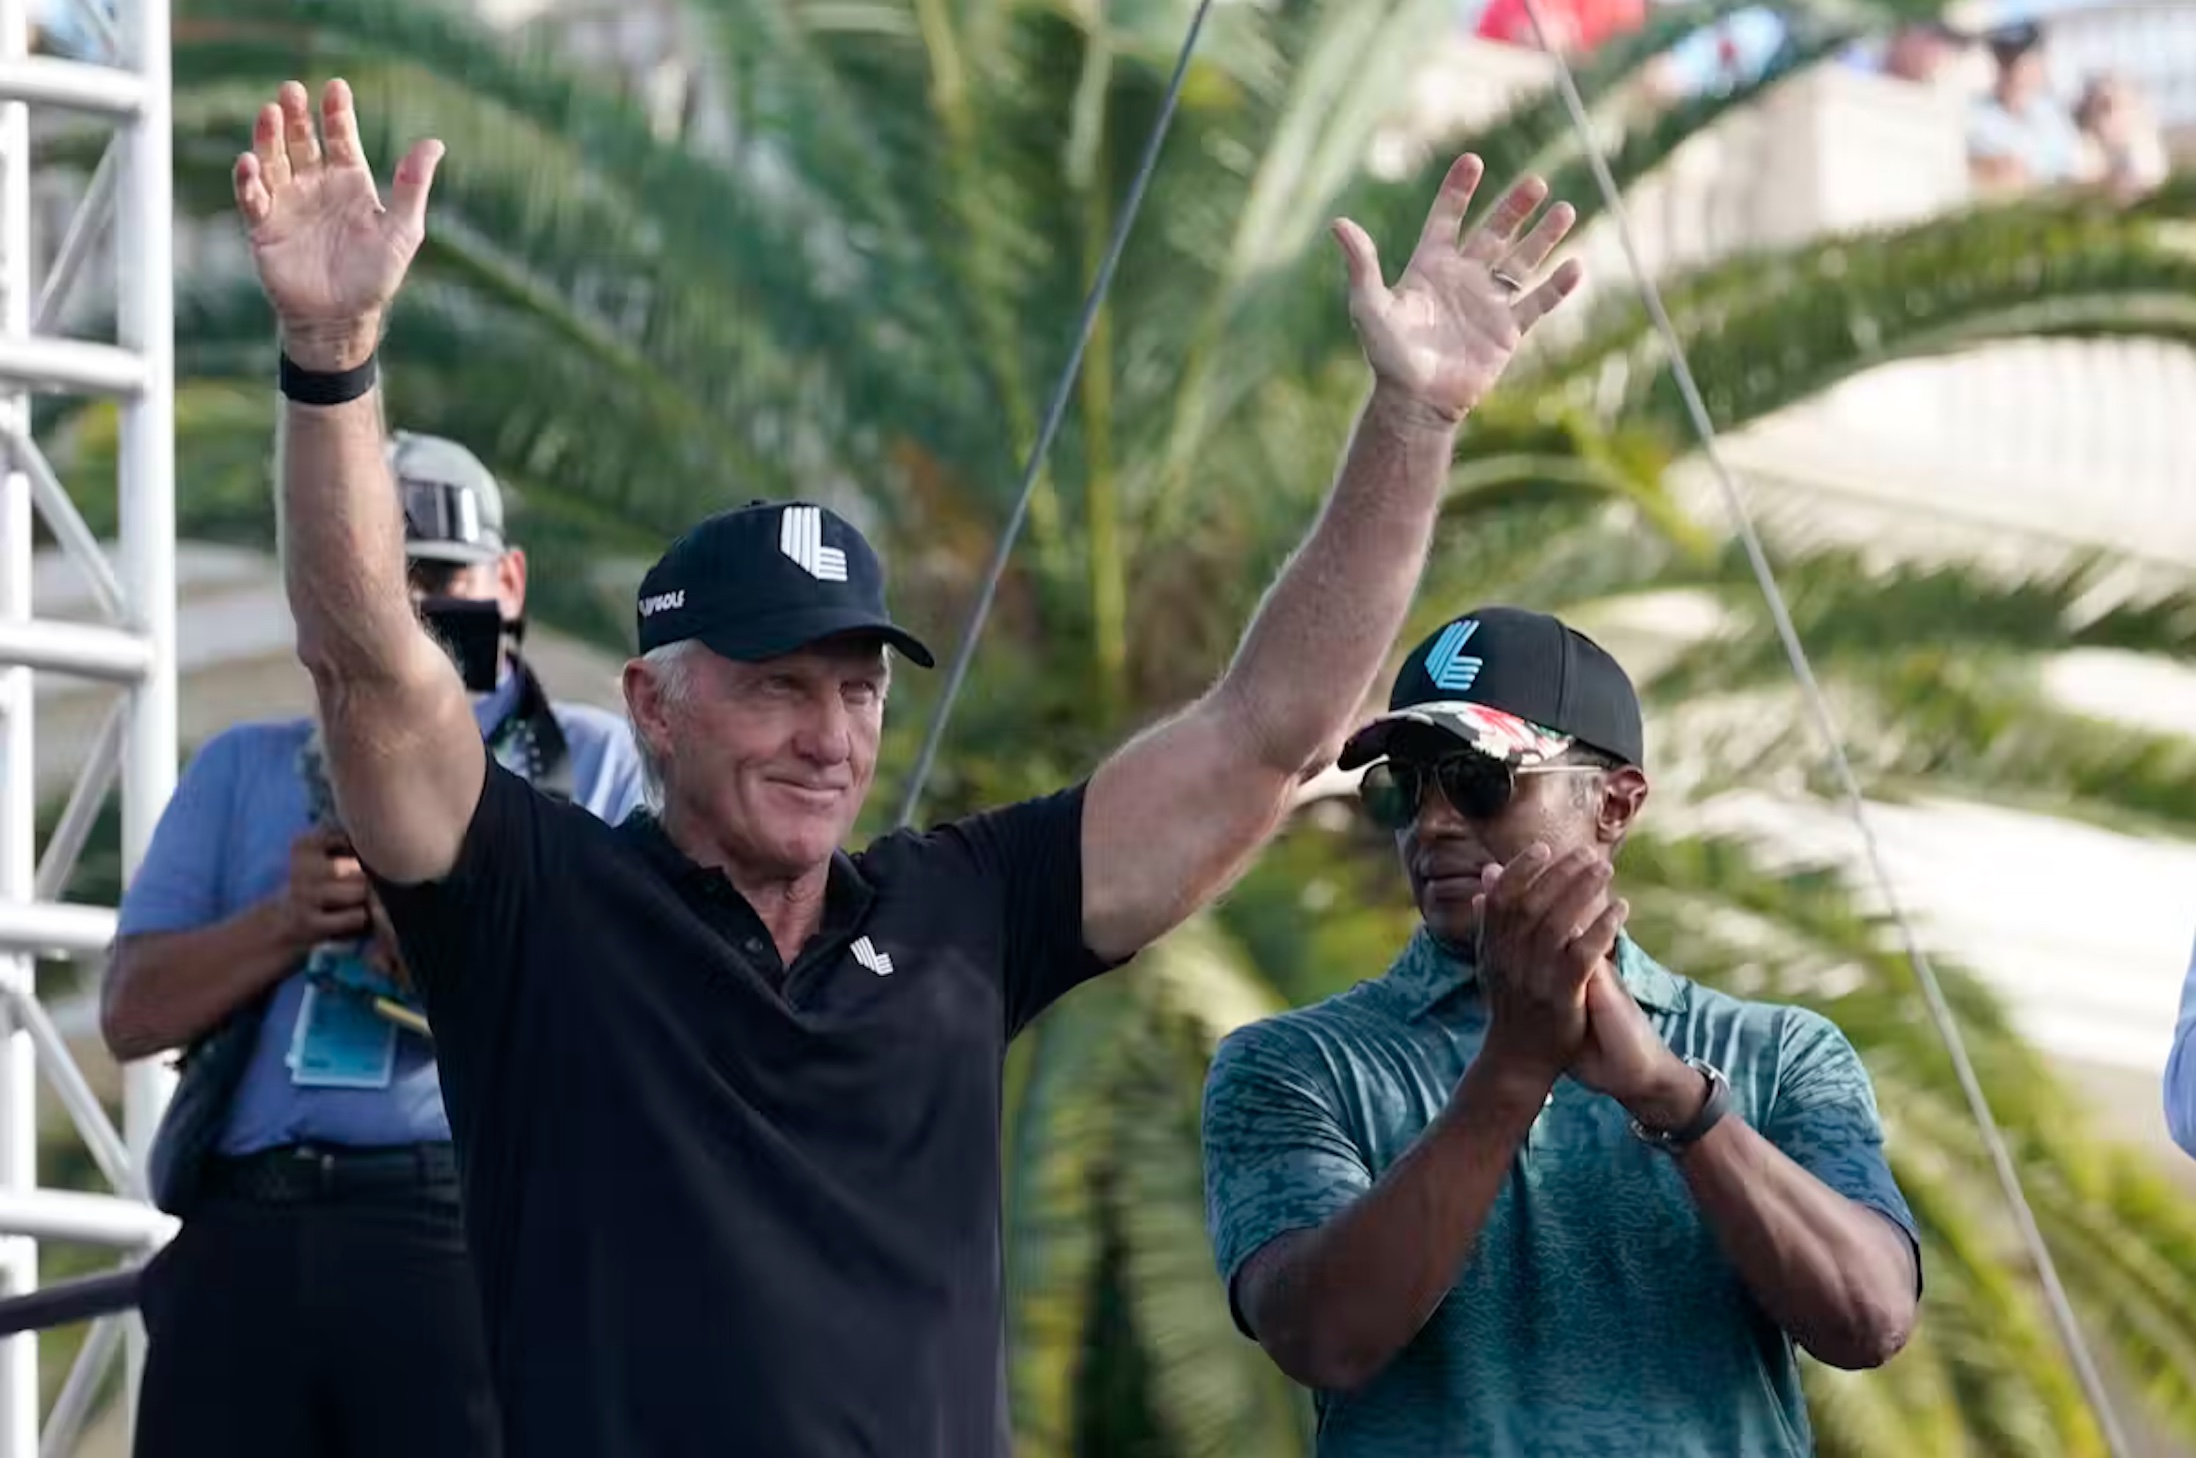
(1530, 1193)
(2180, 1071)
(319, 1299)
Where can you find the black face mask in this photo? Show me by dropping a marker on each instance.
(471, 632)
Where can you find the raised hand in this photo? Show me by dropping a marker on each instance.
(1445, 333)
(329, 254)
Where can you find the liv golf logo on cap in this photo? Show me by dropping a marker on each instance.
(729, 582)
(1447, 665)
(800, 536)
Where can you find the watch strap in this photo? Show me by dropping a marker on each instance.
(1711, 1112)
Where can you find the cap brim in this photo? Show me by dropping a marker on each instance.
(1425, 731)
(462, 553)
(752, 641)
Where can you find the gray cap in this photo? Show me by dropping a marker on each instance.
(453, 508)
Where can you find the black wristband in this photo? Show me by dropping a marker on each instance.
(312, 387)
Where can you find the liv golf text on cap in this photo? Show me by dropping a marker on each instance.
(767, 579)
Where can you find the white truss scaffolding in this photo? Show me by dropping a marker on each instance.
(128, 199)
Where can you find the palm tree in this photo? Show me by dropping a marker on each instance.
(864, 293)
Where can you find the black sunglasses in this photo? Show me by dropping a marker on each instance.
(1477, 786)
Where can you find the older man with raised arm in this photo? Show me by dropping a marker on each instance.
(725, 1096)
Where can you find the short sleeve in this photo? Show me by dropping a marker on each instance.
(2180, 1073)
(1278, 1155)
(464, 934)
(178, 884)
(1824, 1118)
(1033, 852)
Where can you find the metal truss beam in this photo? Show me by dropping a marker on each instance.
(130, 643)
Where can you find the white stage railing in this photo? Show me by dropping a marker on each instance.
(129, 200)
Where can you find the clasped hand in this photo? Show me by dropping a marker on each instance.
(1547, 932)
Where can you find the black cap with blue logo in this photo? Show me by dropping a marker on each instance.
(1520, 686)
(767, 579)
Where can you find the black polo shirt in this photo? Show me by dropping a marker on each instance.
(717, 1206)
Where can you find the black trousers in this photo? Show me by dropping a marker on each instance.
(317, 1306)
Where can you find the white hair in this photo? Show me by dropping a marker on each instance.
(672, 668)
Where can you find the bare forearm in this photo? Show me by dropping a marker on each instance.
(1346, 1298)
(1323, 632)
(342, 531)
(165, 989)
(1833, 1273)
(1224, 770)
(404, 753)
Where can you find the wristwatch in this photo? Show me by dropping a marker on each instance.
(1674, 1141)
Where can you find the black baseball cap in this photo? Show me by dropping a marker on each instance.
(1520, 686)
(766, 579)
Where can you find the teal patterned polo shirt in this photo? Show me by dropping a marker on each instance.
(1596, 1316)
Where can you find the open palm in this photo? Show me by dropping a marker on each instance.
(1447, 330)
(329, 254)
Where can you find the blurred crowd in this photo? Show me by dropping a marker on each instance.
(2024, 131)
(2023, 135)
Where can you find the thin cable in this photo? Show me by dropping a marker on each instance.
(1054, 414)
(2009, 1180)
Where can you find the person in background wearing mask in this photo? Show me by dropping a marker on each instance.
(319, 1299)
(1530, 1193)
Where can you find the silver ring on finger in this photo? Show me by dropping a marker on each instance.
(1511, 284)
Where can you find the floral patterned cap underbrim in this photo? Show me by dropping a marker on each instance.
(1491, 731)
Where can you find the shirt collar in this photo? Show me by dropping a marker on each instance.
(1429, 970)
(847, 893)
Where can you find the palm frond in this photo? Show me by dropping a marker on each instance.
(1214, 1391)
(1765, 331)
(1051, 1230)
